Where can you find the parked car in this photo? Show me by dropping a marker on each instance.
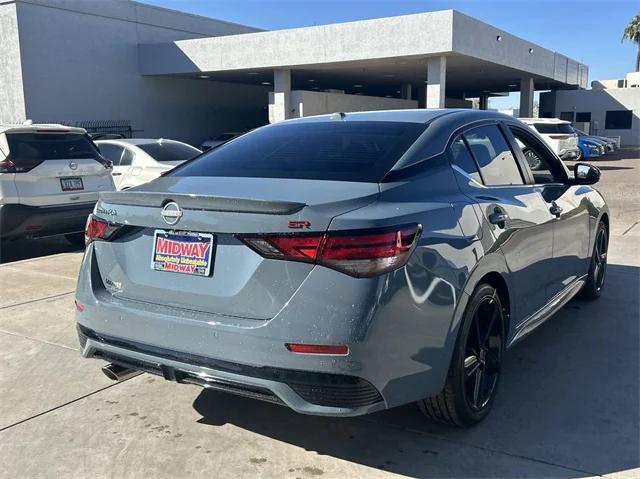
(344, 264)
(558, 134)
(50, 177)
(609, 143)
(218, 140)
(590, 148)
(136, 161)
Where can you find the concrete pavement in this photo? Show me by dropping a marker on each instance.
(568, 405)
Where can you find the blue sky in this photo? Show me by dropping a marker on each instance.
(588, 31)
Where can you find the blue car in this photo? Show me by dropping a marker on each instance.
(590, 148)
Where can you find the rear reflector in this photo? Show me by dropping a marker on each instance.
(359, 253)
(79, 306)
(338, 349)
(99, 229)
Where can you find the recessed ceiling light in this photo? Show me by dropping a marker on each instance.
(513, 85)
(252, 73)
(388, 75)
(315, 88)
(204, 76)
(265, 83)
(310, 81)
(357, 85)
(388, 96)
(398, 91)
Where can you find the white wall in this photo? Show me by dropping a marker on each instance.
(11, 92)
(309, 103)
(598, 102)
(80, 62)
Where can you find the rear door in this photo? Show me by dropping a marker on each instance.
(519, 218)
(570, 213)
(55, 167)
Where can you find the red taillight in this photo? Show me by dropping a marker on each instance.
(14, 166)
(338, 349)
(357, 253)
(99, 229)
(79, 306)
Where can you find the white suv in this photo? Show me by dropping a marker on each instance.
(558, 134)
(50, 177)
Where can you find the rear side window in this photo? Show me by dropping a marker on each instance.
(168, 151)
(493, 155)
(551, 128)
(461, 157)
(111, 152)
(50, 146)
(361, 151)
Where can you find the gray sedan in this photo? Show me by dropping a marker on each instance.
(344, 264)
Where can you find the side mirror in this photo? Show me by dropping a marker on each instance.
(585, 174)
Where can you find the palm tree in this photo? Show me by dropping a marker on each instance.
(632, 33)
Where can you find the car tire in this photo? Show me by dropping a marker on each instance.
(474, 372)
(76, 239)
(592, 288)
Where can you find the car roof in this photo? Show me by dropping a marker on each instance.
(40, 128)
(543, 120)
(418, 115)
(139, 141)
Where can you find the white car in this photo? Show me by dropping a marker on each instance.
(50, 177)
(218, 140)
(139, 160)
(558, 134)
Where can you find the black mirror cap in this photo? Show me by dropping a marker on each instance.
(585, 174)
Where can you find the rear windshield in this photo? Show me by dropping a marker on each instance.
(550, 128)
(362, 151)
(166, 151)
(50, 146)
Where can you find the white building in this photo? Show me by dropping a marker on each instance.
(171, 74)
(609, 108)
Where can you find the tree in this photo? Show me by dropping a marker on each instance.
(632, 33)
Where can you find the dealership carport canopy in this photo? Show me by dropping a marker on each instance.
(424, 55)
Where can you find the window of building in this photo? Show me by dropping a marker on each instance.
(493, 155)
(566, 116)
(461, 158)
(583, 117)
(618, 120)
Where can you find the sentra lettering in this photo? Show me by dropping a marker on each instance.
(194, 250)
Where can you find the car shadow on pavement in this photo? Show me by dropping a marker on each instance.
(34, 248)
(568, 398)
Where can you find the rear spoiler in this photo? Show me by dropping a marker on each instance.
(201, 202)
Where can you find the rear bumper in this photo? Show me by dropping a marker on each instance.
(306, 392)
(399, 350)
(20, 221)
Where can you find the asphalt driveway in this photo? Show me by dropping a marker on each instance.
(568, 406)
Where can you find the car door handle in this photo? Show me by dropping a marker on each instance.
(116, 173)
(498, 217)
(555, 210)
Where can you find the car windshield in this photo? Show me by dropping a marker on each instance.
(169, 151)
(362, 151)
(50, 146)
(550, 128)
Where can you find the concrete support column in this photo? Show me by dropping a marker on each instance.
(405, 91)
(436, 82)
(484, 102)
(280, 107)
(526, 97)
